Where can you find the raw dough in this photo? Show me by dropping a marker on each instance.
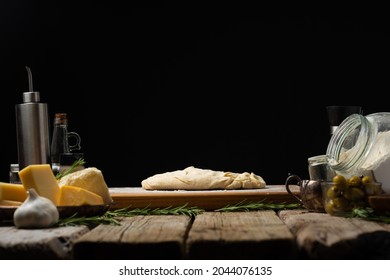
(192, 178)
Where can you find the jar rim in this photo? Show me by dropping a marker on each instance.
(349, 143)
(319, 159)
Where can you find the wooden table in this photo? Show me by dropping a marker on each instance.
(288, 234)
(267, 234)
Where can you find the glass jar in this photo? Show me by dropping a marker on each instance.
(361, 146)
(319, 168)
(342, 195)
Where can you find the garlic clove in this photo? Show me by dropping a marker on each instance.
(36, 212)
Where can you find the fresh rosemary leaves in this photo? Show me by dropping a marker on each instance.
(368, 214)
(180, 210)
(113, 217)
(74, 220)
(77, 163)
(261, 205)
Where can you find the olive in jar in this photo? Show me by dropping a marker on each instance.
(343, 194)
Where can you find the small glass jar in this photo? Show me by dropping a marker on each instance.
(14, 173)
(361, 146)
(319, 168)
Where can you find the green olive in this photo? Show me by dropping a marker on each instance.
(367, 179)
(339, 180)
(354, 181)
(334, 191)
(354, 194)
(329, 208)
(339, 203)
(337, 206)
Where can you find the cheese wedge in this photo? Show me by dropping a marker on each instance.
(90, 179)
(75, 196)
(42, 179)
(10, 191)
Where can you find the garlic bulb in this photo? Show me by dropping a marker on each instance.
(36, 212)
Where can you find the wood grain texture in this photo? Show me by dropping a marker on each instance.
(205, 199)
(52, 243)
(321, 236)
(139, 237)
(380, 203)
(243, 235)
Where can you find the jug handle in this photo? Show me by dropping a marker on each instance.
(77, 140)
(299, 183)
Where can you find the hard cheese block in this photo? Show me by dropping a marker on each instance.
(14, 192)
(90, 179)
(42, 179)
(75, 196)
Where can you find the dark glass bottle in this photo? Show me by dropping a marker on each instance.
(60, 140)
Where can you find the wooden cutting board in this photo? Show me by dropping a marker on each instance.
(380, 203)
(206, 199)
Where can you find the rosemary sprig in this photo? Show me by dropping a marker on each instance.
(260, 205)
(113, 217)
(369, 214)
(75, 220)
(77, 163)
(179, 210)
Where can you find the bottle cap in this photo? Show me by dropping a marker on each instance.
(31, 97)
(60, 118)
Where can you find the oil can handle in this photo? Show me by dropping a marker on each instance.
(298, 182)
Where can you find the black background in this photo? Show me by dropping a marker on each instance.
(158, 86)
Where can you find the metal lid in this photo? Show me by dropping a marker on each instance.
(31, 97)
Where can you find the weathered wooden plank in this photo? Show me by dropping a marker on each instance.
(321, 236)
(241, 235)
(139, 237)
(41, 244)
